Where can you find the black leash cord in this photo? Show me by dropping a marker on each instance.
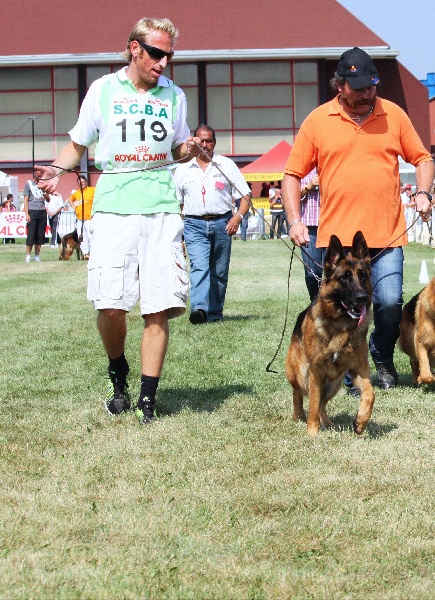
(268, 369)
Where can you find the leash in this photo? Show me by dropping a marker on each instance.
(78, 173)
(268, 369)
(232, 184)
(319, 279)
(62, 170)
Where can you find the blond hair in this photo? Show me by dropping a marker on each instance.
(145, 26)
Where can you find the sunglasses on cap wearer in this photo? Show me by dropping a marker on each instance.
(154, 52)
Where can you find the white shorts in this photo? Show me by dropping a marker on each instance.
(138, 257)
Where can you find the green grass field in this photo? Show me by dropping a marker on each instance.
(224, 497)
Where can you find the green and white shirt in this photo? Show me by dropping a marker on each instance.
(133, 133)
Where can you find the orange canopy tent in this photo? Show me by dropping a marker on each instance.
(270, 166)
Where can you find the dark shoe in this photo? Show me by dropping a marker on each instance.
(354, 391)
(387, 375)
(198, 316)
(146, 410)
(117, 399)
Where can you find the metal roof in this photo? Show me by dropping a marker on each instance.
(196, 55)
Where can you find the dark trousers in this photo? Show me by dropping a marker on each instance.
(277, 218)
(313, 263)
(36, 227)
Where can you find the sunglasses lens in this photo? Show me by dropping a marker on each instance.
(156, 53)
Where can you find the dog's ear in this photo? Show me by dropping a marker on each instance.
(359, 247)
(334, 253)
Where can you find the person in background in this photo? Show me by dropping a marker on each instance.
(355, 141)
(264, 190)
(313, 256)
(137, 252)
(206, 198)
(54, 204)
(82, 200)
(408, 204)
(245, 220)
(36, 217)
(8, 206)
(277, 210)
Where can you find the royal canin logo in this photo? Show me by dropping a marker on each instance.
(14, 217)
(126, 100)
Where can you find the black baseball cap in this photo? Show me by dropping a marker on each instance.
(358, 69)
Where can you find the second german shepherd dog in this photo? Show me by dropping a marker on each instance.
(417, 334)
(330, 338)
(69, 243)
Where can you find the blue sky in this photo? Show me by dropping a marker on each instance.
(406, 25)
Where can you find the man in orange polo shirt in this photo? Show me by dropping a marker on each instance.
(82, 200)
(355, 141)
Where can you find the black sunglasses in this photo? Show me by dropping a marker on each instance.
(154, 52)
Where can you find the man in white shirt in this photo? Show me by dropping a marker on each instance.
(136, 229)
(54, 204)
(209, 222)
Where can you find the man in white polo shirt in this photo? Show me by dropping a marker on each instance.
(137, 117)
(207, 200)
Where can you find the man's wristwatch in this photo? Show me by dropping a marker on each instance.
(430, 197)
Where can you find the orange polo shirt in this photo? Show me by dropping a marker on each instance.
(358, 170)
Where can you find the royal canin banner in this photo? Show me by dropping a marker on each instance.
(13, 225)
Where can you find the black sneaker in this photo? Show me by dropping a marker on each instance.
(387, 375)
(146, 410)
(117, 399)
(198, 316)
(354, 391)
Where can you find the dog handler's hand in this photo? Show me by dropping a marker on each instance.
(299, 234)
(192, 146)
(233, 224)
(47, 178)
(423, 206)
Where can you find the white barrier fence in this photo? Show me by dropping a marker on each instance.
(420, 232)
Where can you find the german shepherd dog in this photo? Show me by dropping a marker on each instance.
(69, 243)
(417, 334)
(330, 338)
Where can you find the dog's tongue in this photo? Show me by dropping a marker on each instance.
(362, 316)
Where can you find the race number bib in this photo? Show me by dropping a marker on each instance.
(141, 131)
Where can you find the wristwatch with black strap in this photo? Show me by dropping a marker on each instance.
(430, 197)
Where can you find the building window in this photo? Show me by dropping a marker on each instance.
(186, 77)
(50, 96)
(253, 106)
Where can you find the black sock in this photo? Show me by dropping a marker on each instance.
(148, 386)
(118, 366)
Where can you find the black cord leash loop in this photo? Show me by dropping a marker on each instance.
(291, 248)
(268, 369)
(319, 279)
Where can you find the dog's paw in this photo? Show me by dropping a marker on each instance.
(326, 422)
(300, 417)
(313, 429)
(425, 379)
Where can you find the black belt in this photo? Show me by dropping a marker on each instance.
(207, 217)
